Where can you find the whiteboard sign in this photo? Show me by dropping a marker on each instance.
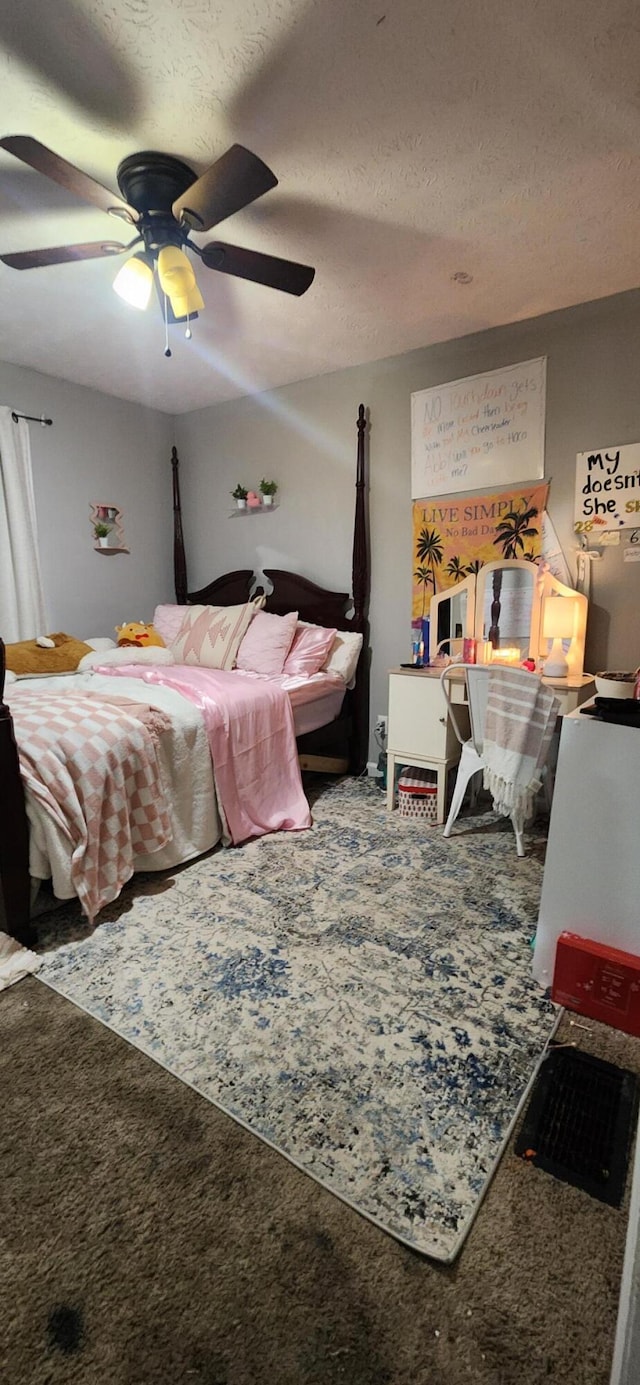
(487, 430)
(607, 489)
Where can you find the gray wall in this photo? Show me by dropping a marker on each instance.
(99, 448)
(304, 436)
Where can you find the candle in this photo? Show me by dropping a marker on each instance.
(505, 656)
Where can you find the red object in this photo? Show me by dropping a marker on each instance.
(599, 981)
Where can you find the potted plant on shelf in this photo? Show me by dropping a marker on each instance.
(240, 496)
(267, 491)
(102, 532)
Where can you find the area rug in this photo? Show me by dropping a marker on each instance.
(358, 995)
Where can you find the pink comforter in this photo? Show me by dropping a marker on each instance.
(252, 741)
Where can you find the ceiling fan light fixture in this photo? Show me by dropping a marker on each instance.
(134, 282)
(178, 281)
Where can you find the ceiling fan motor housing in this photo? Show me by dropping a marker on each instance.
(151, 182)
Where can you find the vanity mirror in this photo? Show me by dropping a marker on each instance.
(452, 617)
(503, 609)
(508, 609)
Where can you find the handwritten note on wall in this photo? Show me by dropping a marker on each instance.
(487, 430)
(607, 489)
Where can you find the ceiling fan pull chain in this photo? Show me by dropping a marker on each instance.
(188, 329)
(167, 348)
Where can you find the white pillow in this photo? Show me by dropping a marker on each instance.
(126, 654)
(9, 677)
(101, 642)
(344, 655)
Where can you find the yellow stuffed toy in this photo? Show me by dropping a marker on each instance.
(136, 633)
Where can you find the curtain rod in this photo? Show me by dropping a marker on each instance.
(31, 418)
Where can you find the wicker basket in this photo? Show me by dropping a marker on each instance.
(418, 794)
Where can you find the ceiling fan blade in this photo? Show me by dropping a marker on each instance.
(235, 180)
(274, 273)
(62, 254)
(31, 152)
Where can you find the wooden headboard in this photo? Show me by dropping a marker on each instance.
(290, 591)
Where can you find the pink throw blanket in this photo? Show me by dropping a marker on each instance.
(94, 766)
(252, 741)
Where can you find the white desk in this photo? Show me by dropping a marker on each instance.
(420, 731)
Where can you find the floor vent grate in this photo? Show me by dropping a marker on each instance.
(580, 1121)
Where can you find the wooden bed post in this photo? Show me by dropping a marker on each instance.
(360, 587)
(14, 830)
(179, 560)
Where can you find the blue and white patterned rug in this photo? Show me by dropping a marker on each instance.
(358, 995)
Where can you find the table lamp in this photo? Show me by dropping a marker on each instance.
(557, 625)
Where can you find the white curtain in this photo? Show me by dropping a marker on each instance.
(22, 608)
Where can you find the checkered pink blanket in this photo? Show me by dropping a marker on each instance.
(94, 765)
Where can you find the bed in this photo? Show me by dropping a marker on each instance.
(331, 723)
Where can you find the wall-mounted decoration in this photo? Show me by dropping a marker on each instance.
(250, 502)
(486, 430)
(453, 539)
(106, 523)
(607, 489)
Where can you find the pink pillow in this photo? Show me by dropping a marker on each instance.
(267, 642)
(311, 646)
(168, 620)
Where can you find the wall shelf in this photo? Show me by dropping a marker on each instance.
(99, 549)
(253, 510)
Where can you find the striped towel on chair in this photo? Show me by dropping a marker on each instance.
(520, 719)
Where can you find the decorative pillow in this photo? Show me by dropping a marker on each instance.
(28, 657)
(344, 655)
(210, 635)
(267, 643)
(125, 654)
(311, 646)
(168, 621)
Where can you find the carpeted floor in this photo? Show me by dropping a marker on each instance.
(147, 1239)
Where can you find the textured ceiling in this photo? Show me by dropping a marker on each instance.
(412, 140)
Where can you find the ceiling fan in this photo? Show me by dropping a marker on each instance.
(162, 199)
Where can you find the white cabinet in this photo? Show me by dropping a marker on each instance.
(420, 731)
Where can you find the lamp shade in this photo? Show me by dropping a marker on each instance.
(557, 618)
(134, 282)
(178, 281)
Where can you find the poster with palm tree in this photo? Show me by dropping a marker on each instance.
(454, 538)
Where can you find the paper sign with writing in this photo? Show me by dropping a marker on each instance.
(487, 430)
(607, 489)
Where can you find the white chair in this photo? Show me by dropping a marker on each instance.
(471, 762)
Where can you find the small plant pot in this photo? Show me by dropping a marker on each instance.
(241, 504)
(267, 500)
